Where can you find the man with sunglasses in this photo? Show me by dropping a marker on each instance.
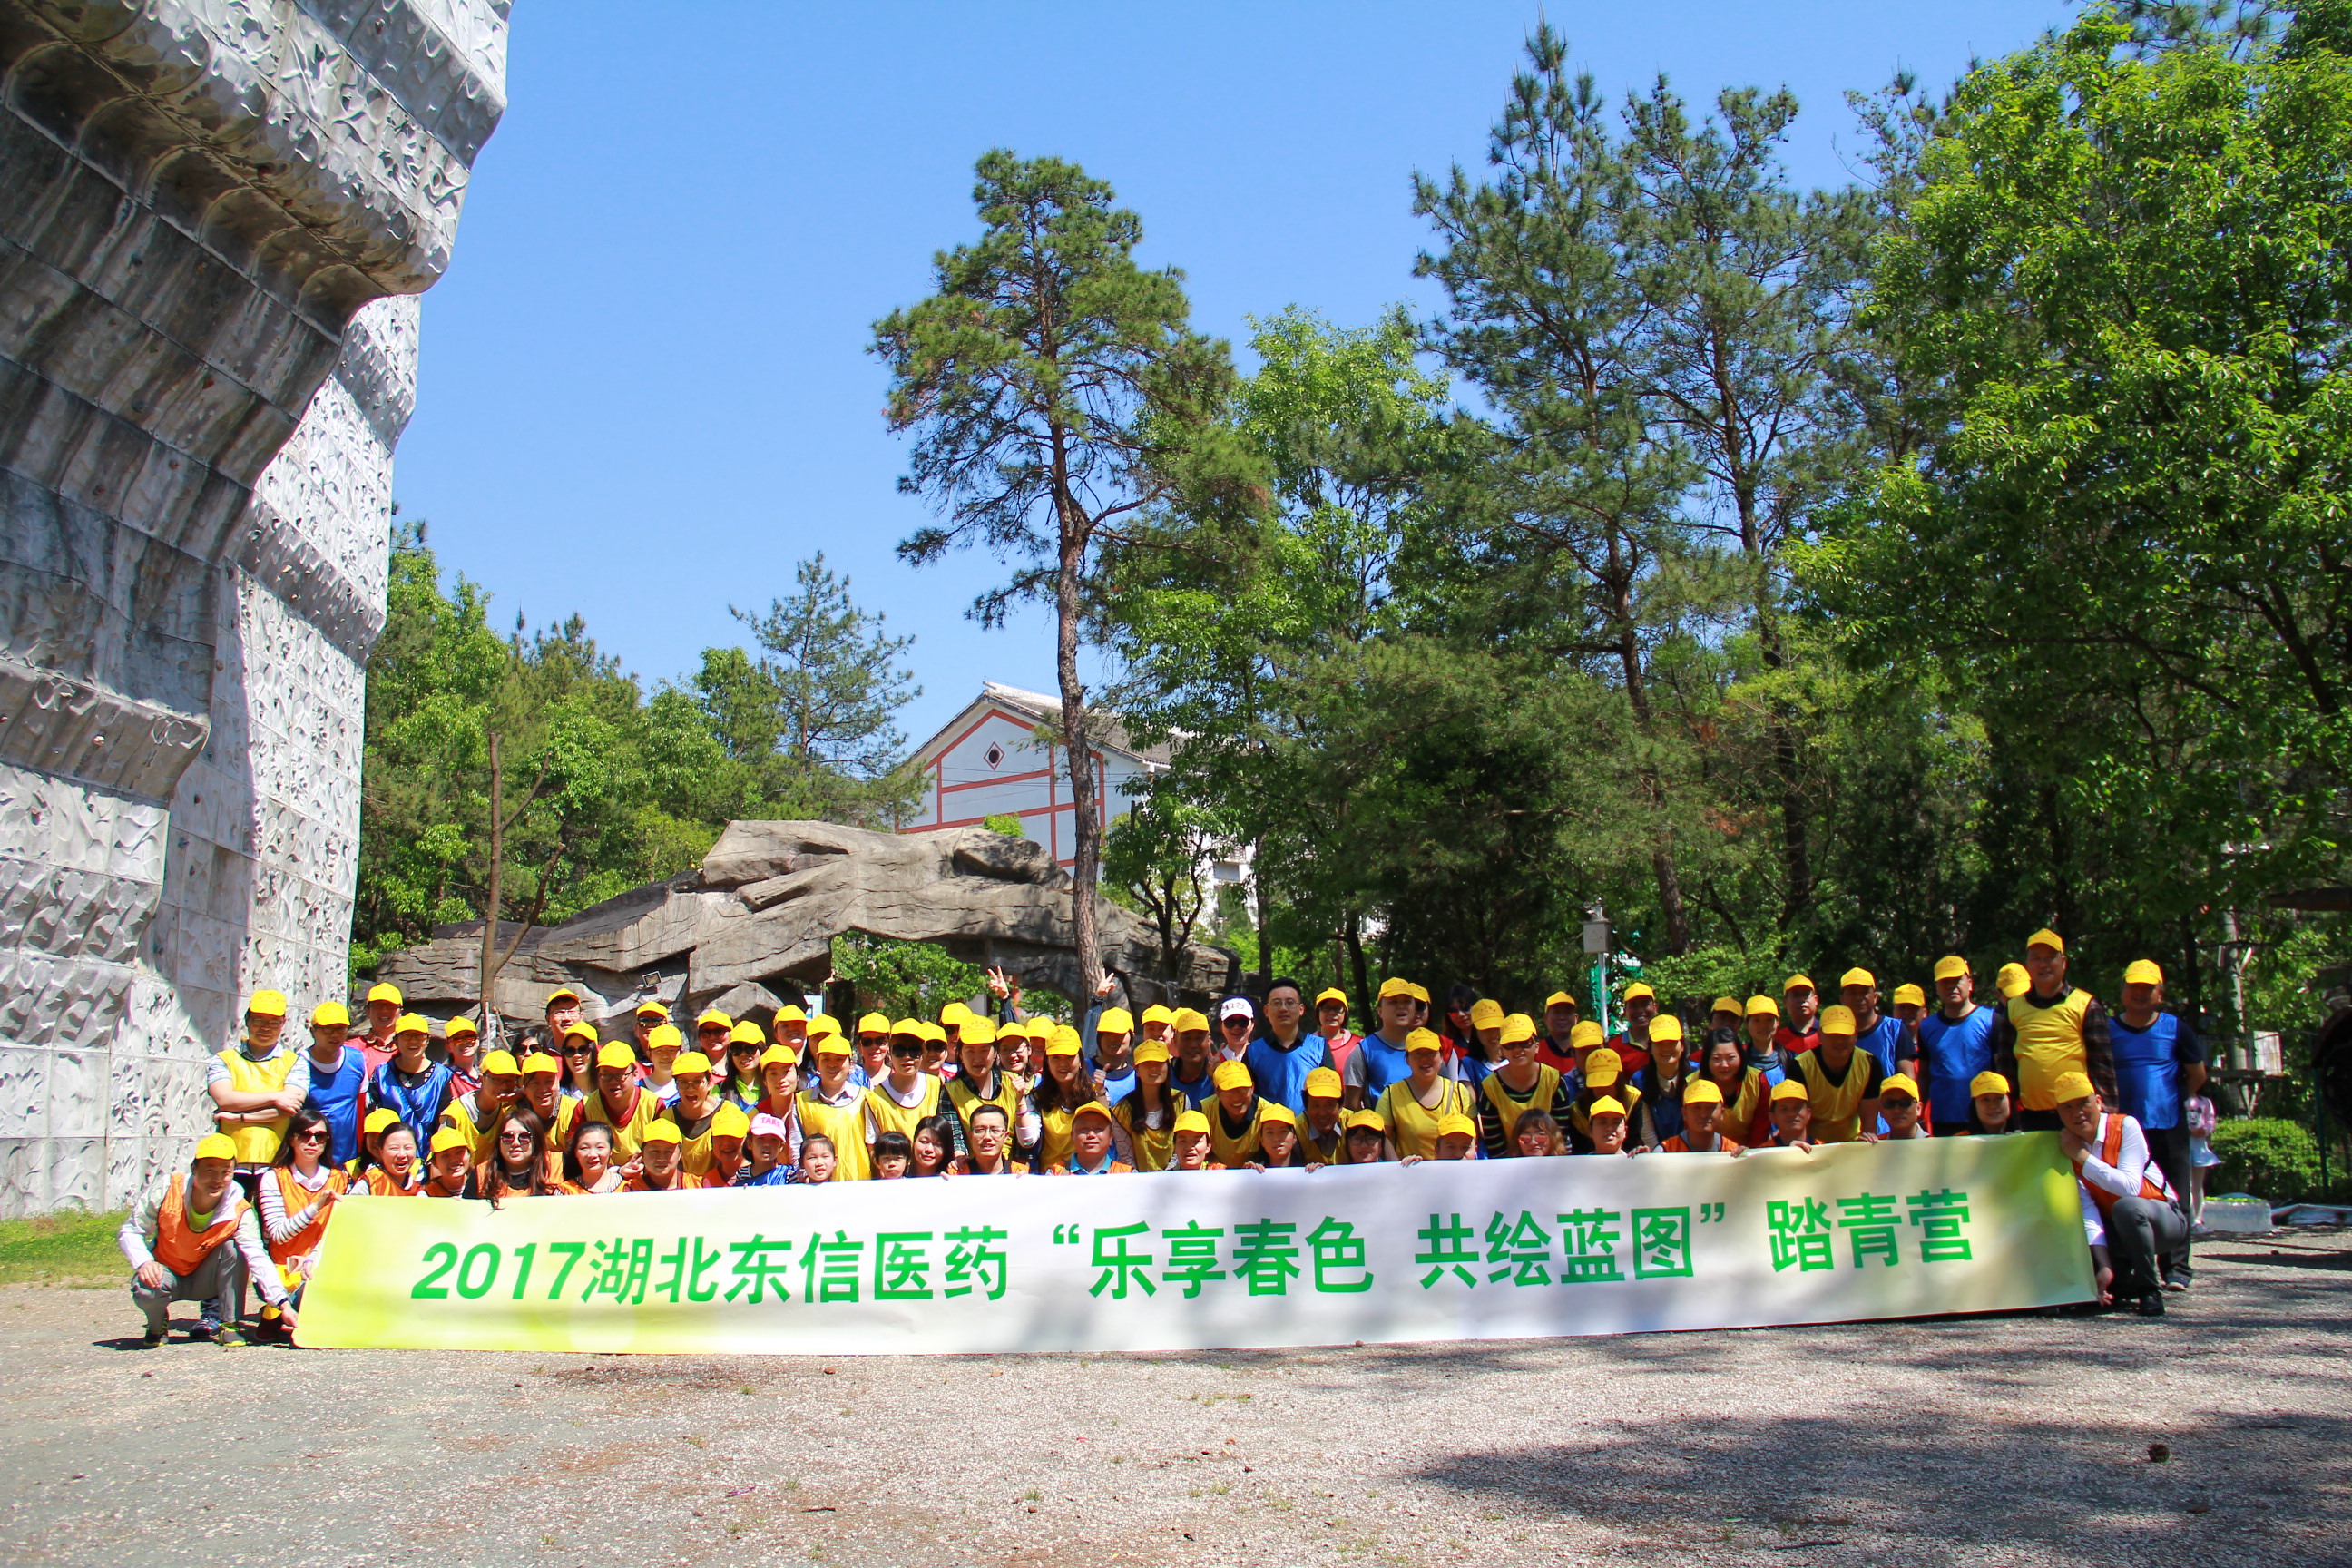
(905, 1095)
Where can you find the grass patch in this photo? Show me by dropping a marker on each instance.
(61, 1249)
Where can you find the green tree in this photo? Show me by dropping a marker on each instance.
(1058, 394)
(1155, 854)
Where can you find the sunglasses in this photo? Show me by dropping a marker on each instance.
(315, 1135)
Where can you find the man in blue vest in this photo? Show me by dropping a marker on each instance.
(1955, 1046)
(339, 1076)
(2159, 1064)
(1284, 1052)
(1378, 1060)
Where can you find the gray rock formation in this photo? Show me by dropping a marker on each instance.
(761, 913)
(213, 217)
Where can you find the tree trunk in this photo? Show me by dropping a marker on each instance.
(1086, 828)
(492, 890)
(1796, 836)
(1264, 901)
(1362, 972)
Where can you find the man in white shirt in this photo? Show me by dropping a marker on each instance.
(2130, 1214)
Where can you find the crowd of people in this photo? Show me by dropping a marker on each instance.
(1259, 1081)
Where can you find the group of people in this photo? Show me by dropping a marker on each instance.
(392, 1111)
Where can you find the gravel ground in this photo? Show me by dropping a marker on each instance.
(1989, 1440)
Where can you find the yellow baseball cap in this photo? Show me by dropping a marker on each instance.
(1361, 1119)
(1518, 1029)
(1322, 1083)
(1789, 1089)
(2069, 1086)
(1585, 1033)
(1486, 1014)
(662, 1133)
(1275, 1111)
(1701, 1092)
(2050, 939)
(1230, 1074)
(747, 1033)
(1423, 1040)
(976, 1032)
(2143, 971)
(1558, 999)
(449, 1138)
(561, 994)
(1151, 1051)
(1986, 1083)
(2015, 982)
(776, 1054)
(1115, 1021)
(1762, 1006)
(327, 1015)
(1064, 1043)
(1190, 1121)
(1837, 1020)
(1091, 1107)
(663, 1036)
(1901, 1083)
(383, 991)
(1607, 1105)
(933, 1034)
(1189, 1021)
(729, 1122)
(1392, 987)
(1862, 977)
(1330, 994)
(830, 1044)
(1952, 967)
(1911, 994)
(1640, 988)
(1600, 1077)
(500, 1064)
(711, 1017)
(1453, 1124)
(649, 1008)
(910, 1029)
(1665, 1026)
(539, 1062)
(1420, 994)
(823, 1024)
(689, 1062)
(1724, 1005)
(581, 1032)
(214, 1146)
(382, 1117)
(873, 1024)
(616, 1055)
(1160, 1012)
(1796, 982)
(268, 1004)
(955, 1015)
(411, 1023)
(461, 1024)
(790, 1013)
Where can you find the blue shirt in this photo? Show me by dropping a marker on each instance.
(1280, 1074)
(1374, 1065)
(1882, 1040)
(2148, 1066)
(1953, 1054)
(336, 1096)
(1197, 1092)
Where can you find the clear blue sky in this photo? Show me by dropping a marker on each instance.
(646, 393)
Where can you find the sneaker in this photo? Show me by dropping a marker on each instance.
(150, 1339)
(2177, 1283)
(2152, 1304)
(228, 1337)
(205, 1328)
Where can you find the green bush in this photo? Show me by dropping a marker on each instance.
(2267, 1157)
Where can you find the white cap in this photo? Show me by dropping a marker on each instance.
(1235, 1007)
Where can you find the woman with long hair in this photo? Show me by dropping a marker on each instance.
(1059, 1090)
(517, 1167)
(1146, 1116)
(297, 1197)
(934, 1147)
(1747, 1116)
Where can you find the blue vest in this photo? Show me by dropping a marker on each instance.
(1954, 1054)
(336, 1096)
(2147, 1072)
(419, 1107)
(1384, 1064)
(1281, 1074)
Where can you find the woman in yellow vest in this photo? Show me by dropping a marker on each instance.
(1234, 1116)
(981, 1082)
(1741, 1088)
(1841, 1082)
(1057, 1094)
(1147, 1117)
(542, 1094)
(1414, 1104)
(1601, 1082)
(834, 1109)
(1518, 1085)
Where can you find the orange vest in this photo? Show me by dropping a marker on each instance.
(2111, 1149)
(1675, 1145)
(379, 1182)
(181, 1249)
(296, 1196)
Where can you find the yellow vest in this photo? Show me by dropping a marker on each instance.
(965, 1099)
(693, 1149)
(889, 1116)
(1154, 1150)
(464, 1113)
(1837, 1107)
(1329, 1150)
(1509, 1106)
(628, 1136)
(1412, 1126)
(1224, 1148)
(1053, 1143)
(256, 1142)
(846, 1125)
(2048, 1042)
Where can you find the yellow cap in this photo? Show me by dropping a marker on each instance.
(776, 1054)
(1190, 1121)
(1952, 967)
(1837, 1020)
(728, 1121)
(539, 1062)
(1322, 1083)
(1795, 981)
(1701, 1092)
(2015, 982)
(663, 1036)
(1640, 988)
(449, 1138)
(1762, 1006)
(1115, 1021)
(788, 1014)
(1517, 1029)
(2070, 1086)
(1361, 1119)
(932, 1033)
(689, 1062)
(1392, 987)
(460, 1026)
(1485, 1015)
(382, 1117)
(1230, 1074)
(268, 1004)
(384, 992)
(1665, 1026)
(1598, 1077)
(561, 994)
(1091, 1107)
(1275, 1111)
(1862, 977)
(1986, 1083)
(910, 1029)
(1724, 1005)
(1423, 1040)
(1607, 1105)
(747, 1033)
(581, 1032)
(1064, 1043)
(873, 1024)
(662, 1133)
(1151, 1051)
(616, 1055)
(411, 1023)
(1911, 994)
(1898, 1083)
(711, 1017)
(327, 1015)
(976, 1031)
(214, 1146)
(1453, 1124)
(830, 1044)
(822, 1024)
(1159, 1013)
(1189, 1021)
(1558, 998)
(1330, 994)
(649, 1008)
(1585, 1033)
(1420, 994)
(2050, 939)
(2143, 971)
(500, 1064)
(1789, 1089)
(955, 1015)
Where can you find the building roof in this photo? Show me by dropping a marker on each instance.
(1037, 709)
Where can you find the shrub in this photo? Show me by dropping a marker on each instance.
(2267, 1157)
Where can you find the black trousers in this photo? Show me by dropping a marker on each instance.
(2140, 1233)
(2169, 1147)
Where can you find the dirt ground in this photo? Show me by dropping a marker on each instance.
(2004, 1440)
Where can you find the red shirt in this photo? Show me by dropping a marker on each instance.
(1788, 1039)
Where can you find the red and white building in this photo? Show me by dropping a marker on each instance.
(987, 761)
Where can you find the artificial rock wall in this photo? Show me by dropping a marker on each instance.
(215, 216)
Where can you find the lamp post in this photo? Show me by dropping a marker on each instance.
(1596, 946)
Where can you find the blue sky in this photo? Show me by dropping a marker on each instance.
(645, 392)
